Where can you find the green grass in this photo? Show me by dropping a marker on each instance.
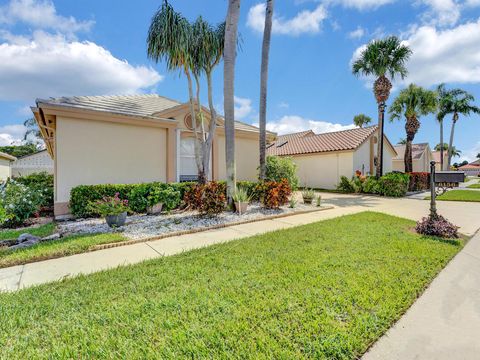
(42, 231)
(460, 195)
(315, 291)
(474, 186)
(51, 249)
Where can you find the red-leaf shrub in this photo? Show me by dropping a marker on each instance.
(419, 181)
(437, 226)
(208, 199)
(275, 194)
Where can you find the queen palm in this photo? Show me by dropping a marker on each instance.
(229, 57)
(382, 58)
(361, 120)
(444, 99)
(263, 85)
(461, 103)
(412, 103)
(455, 151)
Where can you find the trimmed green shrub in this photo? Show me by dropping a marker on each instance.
(278, 168)
(371, 185)
(19, 201)
(394, 184)
(345, 185)
(253, 190)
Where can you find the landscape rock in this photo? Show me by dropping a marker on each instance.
(25, 244)
(55, 236)
(27, 237)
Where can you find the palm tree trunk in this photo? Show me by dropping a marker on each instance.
(263, 86)
(212, 126)
(408, 155)
(442, 165)
(230, 47)
(450, 144)
(202, 172)
(198, 157)
(379, 169)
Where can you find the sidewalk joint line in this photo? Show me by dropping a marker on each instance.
(151, 247)
(21, 276)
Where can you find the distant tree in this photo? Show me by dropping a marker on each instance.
(455, 152)
(478, 156)
(457, 165)
(402, 141)
(382, 58)
(412, 103)
(20, 150)
(361, 119)
(33, 132)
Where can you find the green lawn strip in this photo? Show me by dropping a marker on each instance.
(42, 231)
(56, 248)
(326, 290)
(474, 186)
(460, 195)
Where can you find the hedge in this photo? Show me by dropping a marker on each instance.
(419, 181)
(391, 184)
(81, 196)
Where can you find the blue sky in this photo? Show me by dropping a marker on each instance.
(98, 47)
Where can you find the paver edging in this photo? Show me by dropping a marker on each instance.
(213, 227)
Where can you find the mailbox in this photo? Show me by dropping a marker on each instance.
(449, 177)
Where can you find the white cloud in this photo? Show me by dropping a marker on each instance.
(50, 65)
(449, 55)
(305, 21)
(40, 14)
(360, 4)
(294, 123)
(11, 134)
(243, 107)
(470, 154)
(283, 105)
(441, 12)
(358, 33)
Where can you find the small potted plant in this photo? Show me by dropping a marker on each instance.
(319, 200)
(241, 200)
(308, 195)
(112, 208)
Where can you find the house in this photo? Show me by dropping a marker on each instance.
(322, 159)
(40, 161)
(6, 165)
(471, 169)
(421, 157)
(436, 158)
(132, 139)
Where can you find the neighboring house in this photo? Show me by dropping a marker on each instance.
(472, 169)
(421, 157)
(6, 165)
(40, 161)
(323, 158)
(436, 158)
(132, 139)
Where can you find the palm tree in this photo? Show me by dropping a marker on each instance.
(460, 104)
(361, 120)
(381, 58)
(412, 103)
(231, 36)
(32, 130)
(455, 152)
(444, 98)
(402, 141)
(263, 86)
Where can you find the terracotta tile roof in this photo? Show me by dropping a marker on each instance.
(469, 167)
(417, 151)
(294, 144)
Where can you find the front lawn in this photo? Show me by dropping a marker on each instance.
(42, 231)
(324, 290)
(56, 248)
(474, 186)
(460, 195)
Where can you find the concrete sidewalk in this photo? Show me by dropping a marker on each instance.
(444, 323)
(465, 215)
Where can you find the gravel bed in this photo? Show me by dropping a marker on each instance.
(146, 226)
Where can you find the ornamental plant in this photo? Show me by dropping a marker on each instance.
(279, 168)
(109, 205)
(241, 195)
(437, 226)
(208, 199)
(275, 194)
(19, 201)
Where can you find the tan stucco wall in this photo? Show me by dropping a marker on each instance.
(323, 170)
(246, 158)
(361, 159)
(419, 165)
(5, 169)
(96, 152)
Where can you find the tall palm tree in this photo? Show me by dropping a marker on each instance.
(444, 98)
(229, 56)
(382, 58)
(412, 103)
(361, 120)
(170, 39)
(263, 86)
(460, 104)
